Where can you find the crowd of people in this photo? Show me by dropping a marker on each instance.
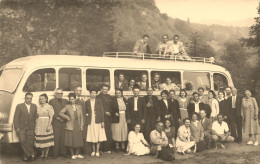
(166, 48)
(137, 125)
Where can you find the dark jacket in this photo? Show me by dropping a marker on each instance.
(81, 102)
(140, 106)
(123, 86)
(223, 108)
(22, 119)
(191, 108)
(67, 112)
(151, 111)
(106, 102)
(207, 126)
(175, 109)
(115, 109)
(57, 105)
(163, 110)
(99, 112)
(237, 110)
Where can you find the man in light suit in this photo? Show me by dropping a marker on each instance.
(207, 126)
(58, 123)
(136, 107)
(24, 124)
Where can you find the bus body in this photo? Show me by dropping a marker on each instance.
(44, 73)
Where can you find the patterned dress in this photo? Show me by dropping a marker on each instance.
(119, 130)
(249, 110)
(44, 139)
(183, 103)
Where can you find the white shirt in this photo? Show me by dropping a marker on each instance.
(197, 107)
(135, 103)
(234, 101)
(166, 103)
(220, 129)
(92, 104)
(119, 84)
(28, 107)
(214, 108)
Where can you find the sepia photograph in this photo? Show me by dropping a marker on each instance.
(130, 81)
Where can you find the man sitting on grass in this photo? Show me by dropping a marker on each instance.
(220, 132)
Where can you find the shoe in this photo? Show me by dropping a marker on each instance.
(108, 152)
(73, 157)
(222, 146)
(97, 154)
(79, 156)
(250, 143)
(92, 154)
(256, 143)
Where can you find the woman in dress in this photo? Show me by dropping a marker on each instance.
(137, 145)
(223, 105)
(170, 132)
(249, 112)
(168, 85)
(163, 105)
(95, 120)
(183, 141)
(213, 103)
(197, 134)
(119, 125)
(44, 137)
(183, 103)
(72, 113)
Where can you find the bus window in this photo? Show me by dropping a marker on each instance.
(41, 80)
(166, 80)
(127, 79)
(97, 77)
(69, 78)
(194, 80)
(220, 81)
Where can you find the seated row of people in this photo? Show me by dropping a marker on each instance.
(122, 83)
(166, 48)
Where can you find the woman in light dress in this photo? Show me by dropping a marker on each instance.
(44, 137)
(214, 105)
(183, 103)
(119, 125)
(95, 120)
(137, 145)
(169, 85)
(183, 141)
(249, 112)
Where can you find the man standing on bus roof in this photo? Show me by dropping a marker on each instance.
(24, 124)
(176, 48)
(58, 124)
(106, 102)
(162, 46)
(141, 45)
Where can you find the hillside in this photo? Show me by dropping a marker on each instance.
(93, 27)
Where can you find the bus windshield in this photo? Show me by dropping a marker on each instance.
(9, 79)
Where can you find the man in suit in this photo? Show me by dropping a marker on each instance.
(121, 82)
(196, 106)
(136, 109)
(228, 92)
(24, 124)
(151, 110)
(202, 97)
(106, 102)
(58, 123)
(235, 118)
(207, 126)
(141, 45)
(175, 109)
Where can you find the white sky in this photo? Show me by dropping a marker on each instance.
(200, 10)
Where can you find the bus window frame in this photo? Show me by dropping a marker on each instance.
(222, 73)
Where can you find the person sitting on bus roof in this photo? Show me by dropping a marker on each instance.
(143, 85)
(156, 82)
(141, 45)
(24, 124)
(131, 84)
(176, 48)
(168, 85)
(121, 82)
(162, 46)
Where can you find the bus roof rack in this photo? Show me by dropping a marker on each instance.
(144, 56)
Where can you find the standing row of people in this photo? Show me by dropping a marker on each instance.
(102, 119)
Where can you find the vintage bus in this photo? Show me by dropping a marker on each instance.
(44, 73)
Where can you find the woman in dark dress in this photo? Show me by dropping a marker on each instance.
(74, 126)
(223, 106)
(170, 133)
(163, 104)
